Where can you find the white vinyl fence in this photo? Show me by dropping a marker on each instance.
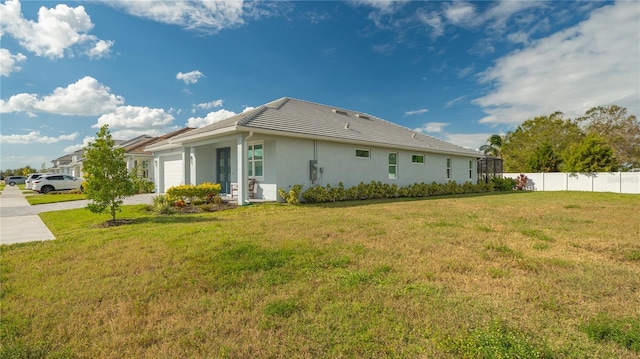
(619, 182)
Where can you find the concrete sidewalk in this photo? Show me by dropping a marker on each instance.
(19, 221)
(20, 229)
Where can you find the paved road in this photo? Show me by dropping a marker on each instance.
(19, 221)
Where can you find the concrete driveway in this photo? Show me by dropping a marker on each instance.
(19, 221)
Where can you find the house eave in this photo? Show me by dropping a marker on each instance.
(179, 142)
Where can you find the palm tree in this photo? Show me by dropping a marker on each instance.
(493, 147)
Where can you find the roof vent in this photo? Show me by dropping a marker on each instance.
(346, 125)
(363, 116)
(413, 135)
(340, 112)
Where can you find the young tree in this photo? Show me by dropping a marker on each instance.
(107, 180)
(592, 154)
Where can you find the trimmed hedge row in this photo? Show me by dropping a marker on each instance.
(373, 190)
(203, 193)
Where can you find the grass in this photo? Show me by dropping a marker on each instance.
(53, 197)
(520, 275)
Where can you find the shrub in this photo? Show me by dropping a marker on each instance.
(191, 194)
(162, 205)
(521, 182)
(503, 184)
(141, 184)
(293, 196)
(373, 190)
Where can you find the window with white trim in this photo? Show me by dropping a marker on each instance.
(363, 154)
(393, 165)
(470, 169)
(419, 159)
(255, 159)
(448, 168)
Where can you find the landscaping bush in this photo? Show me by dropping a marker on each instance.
(162, 204)
(503, 184)
(378, 190)
(190, 194)
(521, 182)
(293, 196)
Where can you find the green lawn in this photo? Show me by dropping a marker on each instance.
(54, 197)
(517, 275)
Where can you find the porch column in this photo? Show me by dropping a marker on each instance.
(156, 175)
(186, 165)
(241, 170)
(194, 165)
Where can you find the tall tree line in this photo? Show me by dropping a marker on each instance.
(605, 139)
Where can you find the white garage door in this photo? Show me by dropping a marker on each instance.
(172, 172)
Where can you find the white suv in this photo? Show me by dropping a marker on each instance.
(28, 184)
(48, 183)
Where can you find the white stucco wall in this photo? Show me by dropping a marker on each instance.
(340, 164)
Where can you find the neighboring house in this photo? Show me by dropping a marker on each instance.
(137, 157)
(289, 141)
(68, 164)
(58, 164)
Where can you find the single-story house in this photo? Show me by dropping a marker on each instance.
(138, 158)
(289, 141)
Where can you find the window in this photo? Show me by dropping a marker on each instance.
(363, 154)
(255, 159)
(470, 169)
(145, 169)
(393, 165)
(448, 168)
(417, 159)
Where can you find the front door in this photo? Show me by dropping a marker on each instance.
(223, 169)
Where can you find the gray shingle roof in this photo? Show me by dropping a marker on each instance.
(298, 117)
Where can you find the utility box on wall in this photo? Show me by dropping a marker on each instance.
(313, 170)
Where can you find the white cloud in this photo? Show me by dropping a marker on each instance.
(248, 108)
(498, 15)
(9, 62)
(190, 77)
(459, 12)
(57, 30)
(100, 49)
(432, 127)
(483, 47)
(74, 148)
(466, 71)
(384, 6)
(206, 16)
(212, 117)
(86, 97)
(384, 49)
(467, 140)
(416, 112)
(132, 121)
(593, 63)
(210, 104)
(454, 101)
(433, 20)
(35, 137)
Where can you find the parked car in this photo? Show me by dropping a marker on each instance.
(28, 183)
(55, 182)
(14, 180)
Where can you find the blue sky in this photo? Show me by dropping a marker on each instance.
(459, 71)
